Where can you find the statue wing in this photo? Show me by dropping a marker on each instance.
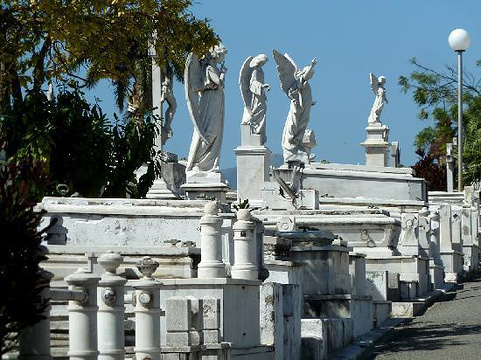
(244, 83)
(286, 69)
(193, 83)
(374, 82)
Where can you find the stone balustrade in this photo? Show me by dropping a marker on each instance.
(97, 297)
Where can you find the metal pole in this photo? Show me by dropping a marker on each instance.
(460, 121)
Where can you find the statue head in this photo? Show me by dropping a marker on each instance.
(258, 60)
(218, 53)
(382, 80)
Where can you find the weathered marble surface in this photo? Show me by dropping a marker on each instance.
(359, 181)
(253, 90)
(377, 87)
(295, 84)
(127, 222)
(204, 90)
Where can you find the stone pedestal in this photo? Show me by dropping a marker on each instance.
(252, 172)
(376, 145)
(252, 166)
(159, 190)
(205, 186)
(211, 265)
(110, 316)
(245, 247)
(168, 186)
(238, 309)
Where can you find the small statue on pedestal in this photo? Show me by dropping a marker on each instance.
(253, 90)
(377, 86)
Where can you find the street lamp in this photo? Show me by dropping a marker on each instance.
(459, 40)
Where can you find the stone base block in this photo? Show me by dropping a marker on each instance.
(307, 199)
(280, 318)
(362, 316)
(410, 268)
(450, 277)
(409, 289)
(211, 336)
(239, 306)
(472, 257)
(206, 191)
(322, 337)
(436, 276)
(252, 172)
(252, 353)
(381, 311)
(452, 261)
(178, 339)
(160, 191)
(407, 308)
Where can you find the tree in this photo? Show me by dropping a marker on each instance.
(77, 44)
(42, 40)
(21, 304)
(435, 93)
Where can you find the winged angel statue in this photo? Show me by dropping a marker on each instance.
(253, 90)
(204, 92)
(377, 86)
(295, 84)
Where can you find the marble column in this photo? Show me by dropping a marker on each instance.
(83, 344)
(211, 265)
(111, 309)
(245, 254)
(147, 312)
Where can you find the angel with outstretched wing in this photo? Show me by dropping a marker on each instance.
(377, 87)
(253, 90)
(204, 91)
(295, 84)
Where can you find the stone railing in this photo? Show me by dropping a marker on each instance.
(96, 303)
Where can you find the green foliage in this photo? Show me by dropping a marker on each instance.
(472, 145)
(436, 95)
(21, 182)
(243, 204)
(43, 40)
(81, 142)
(79, 146)
(132, 146)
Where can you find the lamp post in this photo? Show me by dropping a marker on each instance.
(459, 40)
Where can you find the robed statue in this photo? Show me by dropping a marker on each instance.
(167, 96)
(377, 86)
(253, 90)
(295, 84)
(204, 91)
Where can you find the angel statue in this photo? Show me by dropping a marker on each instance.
(377, 86)
(295, 84)
(253, 90)
(204, 91)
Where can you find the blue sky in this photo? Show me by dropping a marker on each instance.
(350, 39)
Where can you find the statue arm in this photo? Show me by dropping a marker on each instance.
(256, 86)
(212, 78)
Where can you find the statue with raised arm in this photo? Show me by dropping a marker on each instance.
(167, 96)
(253, 90)
(204, 91)
(295, 84)
(377, 86)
